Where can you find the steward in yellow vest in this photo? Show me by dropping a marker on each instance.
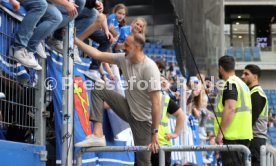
(233, 110)
(251, 75)
(168, 106)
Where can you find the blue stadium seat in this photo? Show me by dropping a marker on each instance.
(256, 53)
(149, 51)
(157, 51)
(163, 51)
(169, 52)
(147, 45)
(230, 51)
(239, 54)
(272, 130)
(247, 54)
(272, 135)
(158, 46)
(153, 45)
(273, 96)
(174, 53)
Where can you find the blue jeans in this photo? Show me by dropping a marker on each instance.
(66, 18)
(47, 24)
(85, 19)
(35, 10)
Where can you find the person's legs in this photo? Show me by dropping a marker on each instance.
(233, 158)
(96, 24)
(142, 136)
(86, 18)
(99, 37)
(168, 158)
(35, 10)
(255, 146)
(155, 159)
(116, 102)
(65, 20)
(48, 23)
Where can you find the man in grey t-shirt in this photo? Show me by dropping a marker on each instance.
(141, 105)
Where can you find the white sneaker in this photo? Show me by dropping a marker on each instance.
(21, 55)
(55, 44)
(37, 67)
(91, 141)
(77, 58)
(94, 75)
(41, 51)
(2, 95)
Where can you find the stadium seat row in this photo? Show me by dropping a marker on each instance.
(244, 54)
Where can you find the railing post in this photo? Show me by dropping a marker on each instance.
(41, 113)
(247, 155)
(79, 158)
(67, 132)
(268, 159)
(263, 155)
(161, 157)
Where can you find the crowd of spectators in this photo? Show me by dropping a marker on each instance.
(45, 20)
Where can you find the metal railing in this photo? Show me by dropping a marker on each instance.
(242, 148)
(22, 109)
(268, 155)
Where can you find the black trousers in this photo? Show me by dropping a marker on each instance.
(155, 159)
(233, 158)
(254, 147)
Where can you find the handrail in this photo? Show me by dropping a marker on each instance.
(242, 148)
(267, 155)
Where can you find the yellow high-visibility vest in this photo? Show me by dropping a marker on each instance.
(240, 128)
(163, 128)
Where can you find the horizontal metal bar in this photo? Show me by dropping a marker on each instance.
(205, 148)
(19, 104)
(18, 125)
(16, 82)
(242, 148)
(167, 148)
(115, 149)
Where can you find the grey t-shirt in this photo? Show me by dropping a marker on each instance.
(141, 78)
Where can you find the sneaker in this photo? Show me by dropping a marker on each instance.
(37, 67)
(2, 95)
(77, 58)
(21, 55)
(41, 51)
(94, 75)
(91, 141)
(55, 44)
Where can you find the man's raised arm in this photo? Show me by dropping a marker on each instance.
(94, 53)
